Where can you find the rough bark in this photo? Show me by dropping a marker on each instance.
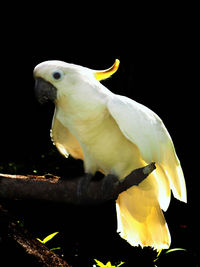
(56, 189)
(31, 246)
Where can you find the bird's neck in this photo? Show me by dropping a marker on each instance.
(80, 114)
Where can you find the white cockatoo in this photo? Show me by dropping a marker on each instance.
(114, 134)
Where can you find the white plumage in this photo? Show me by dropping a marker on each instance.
(114, 134)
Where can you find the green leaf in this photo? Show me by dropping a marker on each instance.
(120, 264)
(158, 254)
(175, 249)
(100, 264)
(159, 251)
(52, 249)
(49, 237)
(168, 251)
(108, 264)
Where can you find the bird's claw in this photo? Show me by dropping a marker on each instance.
(83, 186)
(108, 184)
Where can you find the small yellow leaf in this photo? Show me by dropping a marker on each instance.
(52, 249)
(49, 237)
(158, 254)
(175, 249)
(120, 263)
(100, 264)
(108, 264)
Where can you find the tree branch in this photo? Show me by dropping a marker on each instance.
(31, 246)
(53, 188)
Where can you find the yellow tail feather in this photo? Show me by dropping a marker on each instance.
(140, 218)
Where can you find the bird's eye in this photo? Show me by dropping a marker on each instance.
(57, 75)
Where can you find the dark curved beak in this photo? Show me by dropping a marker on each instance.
(44, 91)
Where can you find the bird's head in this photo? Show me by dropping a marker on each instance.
(55, 78)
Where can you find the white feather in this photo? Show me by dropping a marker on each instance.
(115, 134)
(146, 130)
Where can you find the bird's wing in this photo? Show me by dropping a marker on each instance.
(64, 140)
(146, 130)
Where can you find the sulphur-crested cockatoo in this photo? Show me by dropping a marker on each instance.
(114, 134)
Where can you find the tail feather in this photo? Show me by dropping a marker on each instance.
(140, 218)
(164, 191)
(171, 166)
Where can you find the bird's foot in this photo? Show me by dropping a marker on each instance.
(83, 186)
(108, 188)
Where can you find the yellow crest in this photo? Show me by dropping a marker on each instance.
(104, 74)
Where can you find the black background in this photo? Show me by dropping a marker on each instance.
(158, 69)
